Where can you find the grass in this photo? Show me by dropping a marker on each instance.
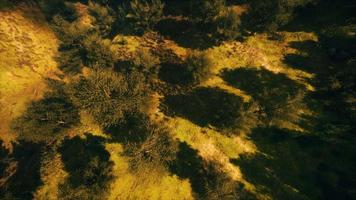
(148, 183)
(28, 59)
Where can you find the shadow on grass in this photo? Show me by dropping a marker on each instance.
(204, 106)
(257, 81)
(86, 161)
(27, 177)
(294, 166)
(311, 57)
(189, 164)
(176, 74)
(206, 180)
(279, 98)
(185, 33)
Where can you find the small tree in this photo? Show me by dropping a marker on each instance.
(108, 95)
(199, 65)
(141, 15)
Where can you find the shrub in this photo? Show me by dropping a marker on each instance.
(146, 62)
(89, 167)
(103, 18)
(141, 15)
(158, 149)
(206, 11)
(199, 65)
(228, 25)
(46, 120)
(98, 51)
(108, 95)
(272, 14)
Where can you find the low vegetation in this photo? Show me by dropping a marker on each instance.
(158, 99)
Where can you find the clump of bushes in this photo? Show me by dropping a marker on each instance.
(140, 16)
(108, 95)
(206, 11)
(47, 120)
(272, 14)
(103, 18)
(89, 168)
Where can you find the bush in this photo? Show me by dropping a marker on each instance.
(98, 51)
(89, 167)
(228, 25)
(206, 11)
(46, 120)
(103, 18)
(158, 149)
(108, 95)
(199, 65)
(146, 62)
(272, 14)
(141, 15)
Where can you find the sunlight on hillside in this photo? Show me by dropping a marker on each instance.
(27, 50)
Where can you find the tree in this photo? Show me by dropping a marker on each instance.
(141, 15)
(46, 120)
(108, 95)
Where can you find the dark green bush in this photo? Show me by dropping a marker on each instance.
(199, 65)
(140, 15)
(108, 95)
(228, 25)
(206, 11)
(46, 120)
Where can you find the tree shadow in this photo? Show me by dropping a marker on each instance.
(204, 106)
(133, 129)
(279, 99)
(185, 33)
(311, 57)
(204, 177)
(255, 81)
(87, 161)
(175, 74)
(295, 166)
(189, 164)
(26, 178)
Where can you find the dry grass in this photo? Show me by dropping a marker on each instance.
(27, 50)
(149, 183)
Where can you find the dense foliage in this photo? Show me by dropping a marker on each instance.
(179, 107)
(108, 95)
